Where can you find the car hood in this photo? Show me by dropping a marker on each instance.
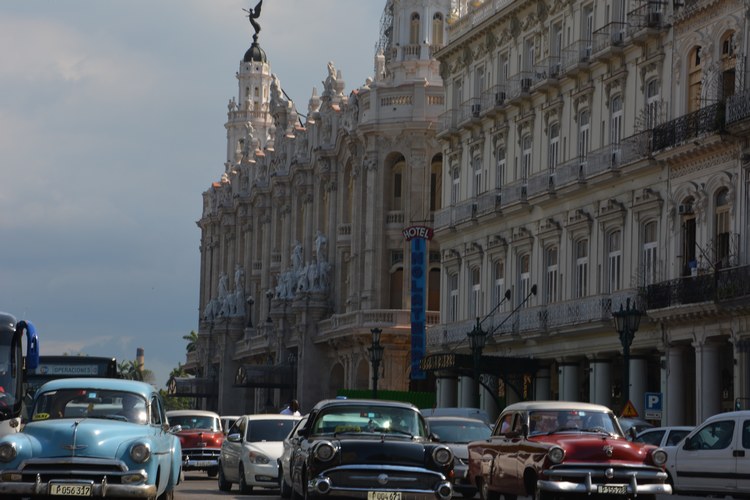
(196, 438)
(598, 448)
(383, 451)
(94, 438)
(459, 450)
(271, 449)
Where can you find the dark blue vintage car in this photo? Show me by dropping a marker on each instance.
(92, 437)
(370, 449)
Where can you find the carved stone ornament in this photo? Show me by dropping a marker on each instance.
(490, 41)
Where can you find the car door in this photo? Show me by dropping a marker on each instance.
(705, 461)
(507, 457)
(164, 439)
(231, 450)
(742, 453)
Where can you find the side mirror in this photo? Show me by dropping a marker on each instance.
(632, 434)
(434, 437)
(524, 430)
(234, 438)
(175, 429)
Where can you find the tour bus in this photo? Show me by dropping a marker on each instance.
(14, 367)
(54, 367)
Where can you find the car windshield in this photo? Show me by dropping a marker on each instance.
(371, 418)
(268, 430)
(550, 421)
(91, 403)
(459, 431)
(195, 422)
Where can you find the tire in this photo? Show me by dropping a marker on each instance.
(224, 485)
(245, 489)
(285, 490)
(168, 494)
(212, 472)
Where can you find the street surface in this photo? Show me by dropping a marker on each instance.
(198, 486)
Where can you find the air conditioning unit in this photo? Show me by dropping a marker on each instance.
(499, 98)
(475, 109)
(685, 208)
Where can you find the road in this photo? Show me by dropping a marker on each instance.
(198, 486)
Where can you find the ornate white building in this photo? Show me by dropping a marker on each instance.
(594, 152)
(302, 251)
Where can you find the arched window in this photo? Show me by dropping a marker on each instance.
(652, 103)
(584, 128)
(433, 290)
(453, 298)
(438, 26)
(688, 227)
(498, 277)
(500, 167)
(414, 29)
(615, 120)
(436, 184)
(478, 186)
(614, 261)
(475, 298)
(554, 144)
(722, 233)
(397, 288)
(550, 282)
(649, 253)
(455, 185)
(526, 143)
(728, 63)
(581, 268)
(524, 278)
(695, 76)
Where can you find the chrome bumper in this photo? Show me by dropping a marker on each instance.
(102, 489)
(188, 464)
(322, 485)
(585, 483)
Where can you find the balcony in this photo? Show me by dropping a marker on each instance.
(454, 215)
(447, 124)
(707, 120)
(469, 111)
(394, 217)
(576, 57)
(514, 193)
(647, 21)
(493, 99)
(345, 323)
(724, 287)
(738, 109)
(488, 202)
(570, 172)
(609, 41)
(547, 72)
(519, 85)
(540, 184)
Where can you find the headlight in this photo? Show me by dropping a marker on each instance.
(442, 455)
(556, 455)
(325, 451)
(7, 452)
(659, 457)
(140, 452)
(257, 458)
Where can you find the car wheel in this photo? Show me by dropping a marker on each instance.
(224, 485)
(245, 489)
(167, 495)
(284, 489)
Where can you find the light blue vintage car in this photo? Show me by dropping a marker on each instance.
(93, 437)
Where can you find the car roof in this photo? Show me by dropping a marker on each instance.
(198, 413)
(451, 418)
(363, 402)
(272, 416)
(729, 414)
(107, 384)
(555, 405)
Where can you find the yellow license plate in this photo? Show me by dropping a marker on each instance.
(70, 489)
(383, 495)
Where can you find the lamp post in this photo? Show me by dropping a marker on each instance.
(626, 322)
(477, 341)
(376, 356)
(250, 302)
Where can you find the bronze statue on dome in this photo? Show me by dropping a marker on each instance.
(253, 14)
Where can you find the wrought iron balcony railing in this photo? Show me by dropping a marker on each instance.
(738, 107)
(709, 119)
(721, 285)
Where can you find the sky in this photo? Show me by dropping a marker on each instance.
(112, 120)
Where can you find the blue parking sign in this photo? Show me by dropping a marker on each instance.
(653, 401)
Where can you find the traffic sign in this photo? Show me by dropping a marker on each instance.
(629, 411)
(652, 404)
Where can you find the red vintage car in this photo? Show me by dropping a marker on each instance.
(201, 438)
(546, 449)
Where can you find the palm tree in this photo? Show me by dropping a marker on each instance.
(177, 372)
(130, 370)
(192, 340)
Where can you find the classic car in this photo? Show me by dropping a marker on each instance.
(551, 448)
(250, 452)
(457, 433)
(84, 440)
(285, 460)
(361, 448)
(201, 438)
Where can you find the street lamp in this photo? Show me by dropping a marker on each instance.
(477, 341)
(626, 322)
(376, 356)
(250, 302)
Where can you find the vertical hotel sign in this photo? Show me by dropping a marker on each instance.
(418, 236)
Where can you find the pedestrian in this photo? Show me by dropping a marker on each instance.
(292, 409)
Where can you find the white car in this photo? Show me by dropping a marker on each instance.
(713, 458)
(250, 452)
(227, 421)
(663, 436)
(285, 460)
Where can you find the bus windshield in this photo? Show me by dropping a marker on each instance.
(7, 377)
(54, 367)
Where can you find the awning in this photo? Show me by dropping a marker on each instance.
(192, 387)
(282, 376)
(493, 365)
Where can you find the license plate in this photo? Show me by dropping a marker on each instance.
(70, 489)
(612, 489)
(204, 463)
(383, 495)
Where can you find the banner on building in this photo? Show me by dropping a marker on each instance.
(418, 236)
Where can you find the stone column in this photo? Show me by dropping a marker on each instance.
(466, 389)
(707, 382)
(638, 375)
(674, 396)
(742, 374)
(568, 383)
(600, 381)
(542, 385)
(446, 390)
